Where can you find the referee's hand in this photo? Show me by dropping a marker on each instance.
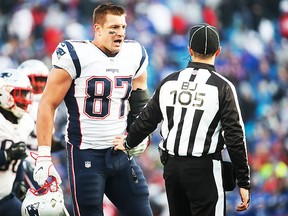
(245, 198)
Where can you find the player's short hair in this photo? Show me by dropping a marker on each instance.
(100, 12)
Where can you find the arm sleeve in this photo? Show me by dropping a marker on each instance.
(143, 62)
(146, 122)
(234, 135)
(61, 58)
(137, 100)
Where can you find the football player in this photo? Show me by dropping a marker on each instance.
(98, 80)
(15, 127)
(37, 73)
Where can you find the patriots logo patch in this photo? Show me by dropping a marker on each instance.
(60, 52)
(32, 209)
(112, 70)
(5, 74)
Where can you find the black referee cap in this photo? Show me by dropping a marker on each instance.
(204, 39)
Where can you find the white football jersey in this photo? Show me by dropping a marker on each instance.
(97, 100)
(32, 143)
(12, 133)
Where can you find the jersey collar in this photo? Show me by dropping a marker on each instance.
(199, 65)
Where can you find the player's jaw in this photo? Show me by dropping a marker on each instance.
(116, 39)
(114, 42)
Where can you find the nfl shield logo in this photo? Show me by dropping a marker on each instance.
(87, 164)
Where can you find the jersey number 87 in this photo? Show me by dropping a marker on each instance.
(98, 100)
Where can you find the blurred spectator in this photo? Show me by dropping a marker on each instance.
(283, 20)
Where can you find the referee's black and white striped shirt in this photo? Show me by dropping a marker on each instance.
(199, 112)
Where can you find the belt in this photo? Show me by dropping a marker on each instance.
(213, 156)
(164, 156)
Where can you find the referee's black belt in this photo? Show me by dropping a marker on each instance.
(213, 156)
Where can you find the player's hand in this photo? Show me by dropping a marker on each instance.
(16, 151)
(44, 167)
(245, 198)
(118, 142)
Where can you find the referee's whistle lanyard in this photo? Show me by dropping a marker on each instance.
(164, 156)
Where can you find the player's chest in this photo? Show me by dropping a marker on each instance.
(96, 64)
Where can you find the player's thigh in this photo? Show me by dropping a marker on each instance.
(87, 180)
(129, 196)
(90, 189)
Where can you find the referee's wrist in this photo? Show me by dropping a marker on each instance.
(126, 146)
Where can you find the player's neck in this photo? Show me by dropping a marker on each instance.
(104, 50)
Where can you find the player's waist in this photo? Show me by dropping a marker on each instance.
(93, 143)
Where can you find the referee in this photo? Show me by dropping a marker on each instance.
(200, 114)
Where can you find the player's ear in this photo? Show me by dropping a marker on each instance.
(96, 28)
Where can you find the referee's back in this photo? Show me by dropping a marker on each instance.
(200, 113)
(191, 103)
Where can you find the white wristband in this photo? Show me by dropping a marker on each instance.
(44, 151)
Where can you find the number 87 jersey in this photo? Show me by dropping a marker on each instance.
(97, 101)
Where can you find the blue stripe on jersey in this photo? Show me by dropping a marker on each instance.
(74, 134)
(74, 57)
(142, 59)
(73, 130)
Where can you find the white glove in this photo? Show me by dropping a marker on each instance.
(139, 149)
(44, 166)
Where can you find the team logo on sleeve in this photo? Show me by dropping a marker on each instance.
(5, 74)
(33, 209)
(60, 52)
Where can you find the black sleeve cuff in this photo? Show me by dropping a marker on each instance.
(127, 147)
(248, 187)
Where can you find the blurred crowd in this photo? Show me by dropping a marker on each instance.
(254, 56)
